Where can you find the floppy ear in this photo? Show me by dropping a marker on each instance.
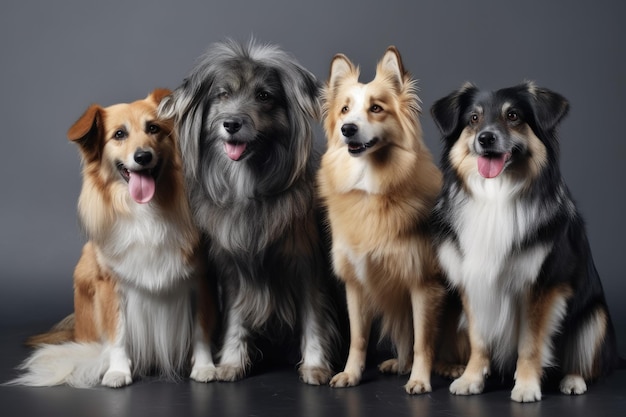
(391, 64)
(185, 106)
(549, 107)
(302, 91)
(340, 68)
(304, 88)
(87, 131)
(447, 110)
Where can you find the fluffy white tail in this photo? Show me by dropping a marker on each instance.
(80, 365)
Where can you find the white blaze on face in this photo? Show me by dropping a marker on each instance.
(358, 105)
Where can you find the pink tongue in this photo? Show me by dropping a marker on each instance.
(141, 186)
(234, 150)
(491, 166)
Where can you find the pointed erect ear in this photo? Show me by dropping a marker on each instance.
(391, 64)
(158, 94)
(87, 130)
(340, 67)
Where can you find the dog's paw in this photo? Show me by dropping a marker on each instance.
(203, 373)
(415, 386)
(229, 373)
(448, 370)
(526, 392)
(345, 379)
(116, 379)
(467, 386)
(315, 375)
(573, 385)
(392, 366)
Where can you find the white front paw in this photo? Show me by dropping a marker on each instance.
(345, 379)
(230, 372)
(573, 385)
(467, 386)
(203, 373)
(526, 392)
(116, 379)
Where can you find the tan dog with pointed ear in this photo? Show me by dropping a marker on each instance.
(132, 285)
(379, 184)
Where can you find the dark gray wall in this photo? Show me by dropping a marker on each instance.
(59, 56)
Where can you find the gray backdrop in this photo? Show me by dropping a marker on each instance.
(57, 57)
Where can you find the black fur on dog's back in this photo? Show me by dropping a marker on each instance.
(544, 198)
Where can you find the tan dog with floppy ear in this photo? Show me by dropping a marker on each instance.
(132, 285)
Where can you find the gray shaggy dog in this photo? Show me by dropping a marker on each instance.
(244, 120)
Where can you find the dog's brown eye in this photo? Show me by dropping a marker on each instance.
(376, 108)
(344, 109)
(474, 118)
(222, 95)
(153, 129)
(512, 116)
(120, 134)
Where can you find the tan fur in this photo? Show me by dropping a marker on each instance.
(103, 196)
(61, 332)
(104, 202)
(537, 329)
(96, 304)
(378, 207)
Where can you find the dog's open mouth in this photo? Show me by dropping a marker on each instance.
(356, 148)
(490, 165)
(235, 150)
(141, 183)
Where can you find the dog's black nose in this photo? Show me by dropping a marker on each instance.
(487, 138)
(143, 157)
(233, 125)
(349, 130)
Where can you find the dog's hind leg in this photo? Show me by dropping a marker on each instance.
(583, 355)
(542, 315)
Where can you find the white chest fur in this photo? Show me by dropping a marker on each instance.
(487, 262)
(145, 250)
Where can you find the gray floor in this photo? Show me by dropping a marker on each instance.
(277, 392)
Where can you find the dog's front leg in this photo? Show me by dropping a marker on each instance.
(425, 305)
(203, 368)
(118, 374)
(472, 381)
(360, 317)
(234, 357)
(315, 367)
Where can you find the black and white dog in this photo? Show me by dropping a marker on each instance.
(511, 240)
(244, 120)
